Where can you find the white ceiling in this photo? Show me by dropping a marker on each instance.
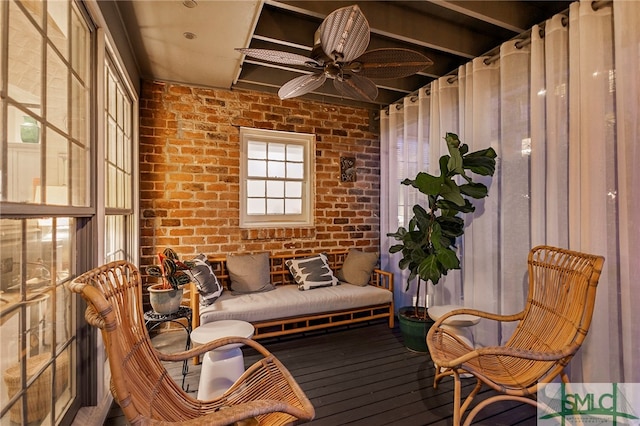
(449, 32)
(157, 33)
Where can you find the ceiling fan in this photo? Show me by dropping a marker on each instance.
(339, 54)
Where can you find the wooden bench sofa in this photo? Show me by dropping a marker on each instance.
(324, 314)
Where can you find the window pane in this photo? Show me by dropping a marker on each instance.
(295, 153)
(120, 152)
(115, 238)
(40, 320)
(277, 151)
(63, 315)
(293, 189)
(10, 348)
(295, 170)
(78, 121)
(80, 46)
(256, 188)
(257, 150)
(80, 175)
(34, 9)
(276, 169)
(22, 181)
(58, 28)
(120, 99)
(255, 206)
(275, 189)
(127, 146)
(257, 168)
(25, 47)
(64, 231)
(112, 139)
(57, 183)
(64, 389)
(293, 206)
(275, 206)
(111, 91)
(57, 195)
(57, 91)
(112, 186)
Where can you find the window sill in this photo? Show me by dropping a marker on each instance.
(258, 234)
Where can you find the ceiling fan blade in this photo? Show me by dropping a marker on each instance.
(344, 34)
(280, 57)
(301, 85)
(389, 63)
(354, 86)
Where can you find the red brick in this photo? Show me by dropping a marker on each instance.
(189, 154)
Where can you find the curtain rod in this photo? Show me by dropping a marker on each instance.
(595, 5)
(524, 42)
(520, 43)
(599, 4)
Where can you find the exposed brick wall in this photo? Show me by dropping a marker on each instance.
(190, 166)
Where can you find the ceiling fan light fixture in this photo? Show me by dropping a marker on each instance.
(332, 70)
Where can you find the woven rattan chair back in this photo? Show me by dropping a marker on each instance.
(559, 307)
(549, 332)
(141, 384)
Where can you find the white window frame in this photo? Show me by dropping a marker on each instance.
(306, 217)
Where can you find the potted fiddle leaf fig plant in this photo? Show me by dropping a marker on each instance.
(165, 296)
(428, 243)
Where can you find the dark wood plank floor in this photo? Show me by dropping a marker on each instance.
(360, 375)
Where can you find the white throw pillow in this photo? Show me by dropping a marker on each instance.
(206, 281)
(312, 272)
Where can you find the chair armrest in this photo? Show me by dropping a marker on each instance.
(479, 314)
(199, 350)
(382, 279)
(510, 352)
(234, 414)
(529, 354)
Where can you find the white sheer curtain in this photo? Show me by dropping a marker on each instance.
(562, 112)
(627, 63)
(404, 142)
(444, 118)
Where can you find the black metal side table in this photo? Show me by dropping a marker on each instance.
(152, 319)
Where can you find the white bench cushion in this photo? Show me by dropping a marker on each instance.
(287, 301)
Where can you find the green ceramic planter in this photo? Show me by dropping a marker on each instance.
(414, 330)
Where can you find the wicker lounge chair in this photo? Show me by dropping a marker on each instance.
(140, 384)
(550, 330)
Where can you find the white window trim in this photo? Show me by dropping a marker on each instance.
(306, 218)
